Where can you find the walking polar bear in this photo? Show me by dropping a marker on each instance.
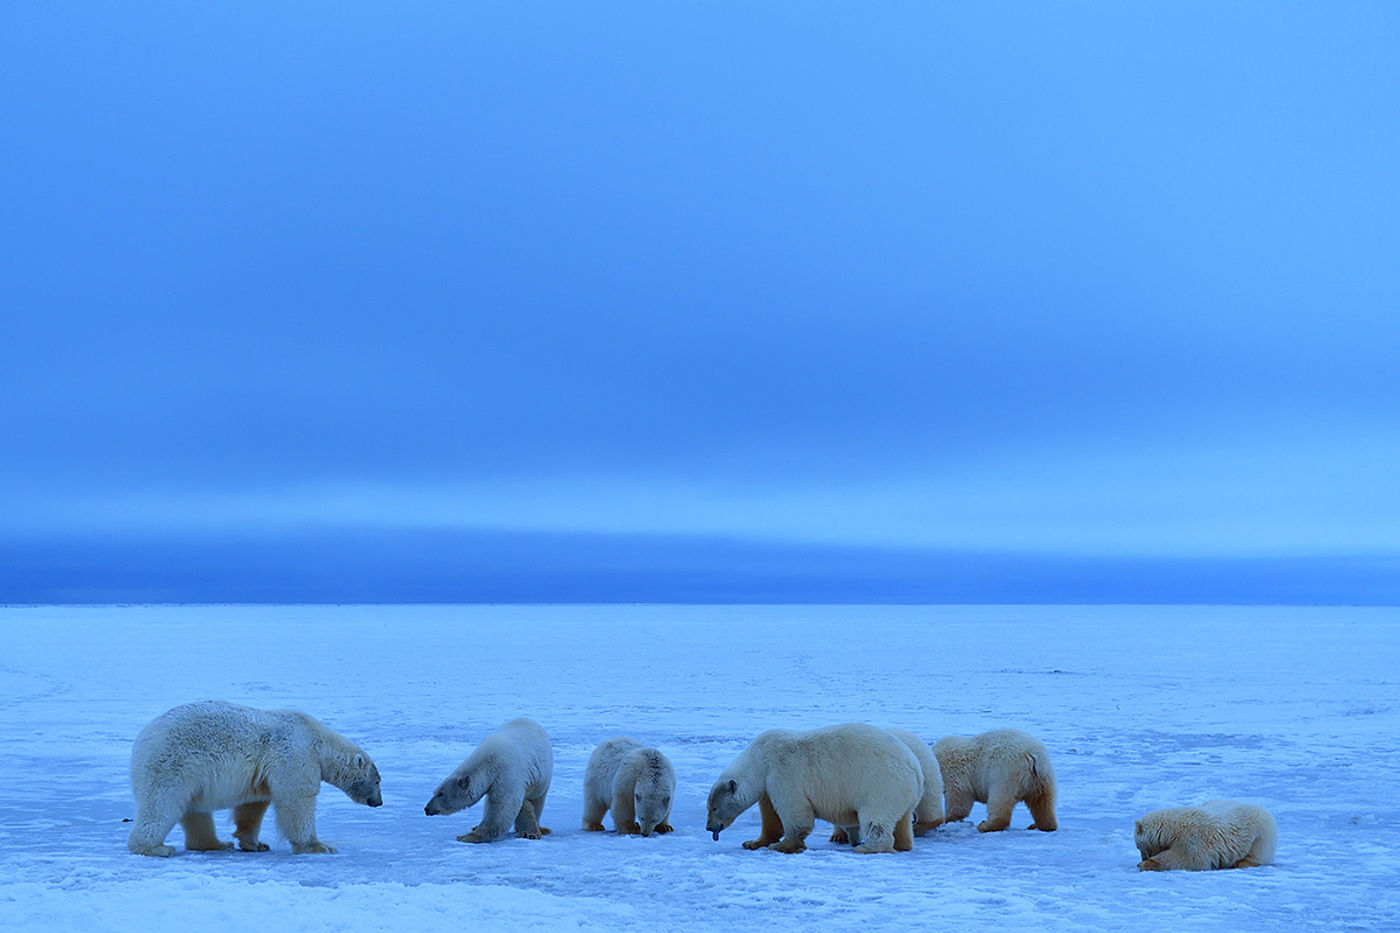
(511, 768)
(853, 775)
(201, 757)
(638, 784)
(928, 814)
(999, 768)
(1216, 834)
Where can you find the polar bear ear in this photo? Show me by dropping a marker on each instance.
(464, 782)
(733, 787)
(1137, 826)
(359, 761)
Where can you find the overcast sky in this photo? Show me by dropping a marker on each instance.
(1095, 280)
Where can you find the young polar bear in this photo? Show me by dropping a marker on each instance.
(928, 814)
(999, 768)
(511, 768)
(1217, 834)
(637, 783)
(851, 775)
(208, 756)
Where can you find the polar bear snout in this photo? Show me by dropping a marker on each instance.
(375, 800)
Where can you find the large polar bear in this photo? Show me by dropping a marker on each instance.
(852, 775)
(999, 768)
(213, 755)
(1217, 834)
(637, 783)
(928, 815)
(511, 768)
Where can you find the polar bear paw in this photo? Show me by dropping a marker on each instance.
(314, 846)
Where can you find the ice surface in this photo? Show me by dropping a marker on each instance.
(1297, 709)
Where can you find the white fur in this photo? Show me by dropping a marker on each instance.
(511, 768)
(638, 784)
(999, 768)
(208, 756)
(1216, 834)
(928, 813)
(852, 775)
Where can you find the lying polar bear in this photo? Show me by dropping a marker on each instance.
(1216, 834)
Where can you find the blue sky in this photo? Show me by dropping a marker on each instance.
(1065, 282)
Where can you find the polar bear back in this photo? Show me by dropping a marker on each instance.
(519, 750)
(994, 758)
(223, 752)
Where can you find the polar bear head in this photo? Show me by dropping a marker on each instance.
(362, 781)
(725, 803)
(462, 789)
(652, 795)
(1152, 834)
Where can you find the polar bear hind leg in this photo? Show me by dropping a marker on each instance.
(904, 833)
(200, 835)
(154, 821)
(247, 825)
(1042, 807)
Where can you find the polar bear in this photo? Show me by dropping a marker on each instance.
(998, 768)
(208, 756)
(851, 775)
(637, 783)
(928, 815)
(1216, 834)
(511, 768)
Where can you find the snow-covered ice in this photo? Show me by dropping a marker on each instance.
(1297, 709)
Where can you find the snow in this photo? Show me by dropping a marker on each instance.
(1296, 709)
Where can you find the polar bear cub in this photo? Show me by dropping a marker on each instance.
(511, 768)
(637, 783)
(1216, 834)
(928, 815)
(201, 757)
(999, 768)
(852, 775)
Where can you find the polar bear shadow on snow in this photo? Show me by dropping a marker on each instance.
(511, 768)
(201, 757)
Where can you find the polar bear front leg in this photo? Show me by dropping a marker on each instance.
(1171, 859)
(296, 819)
(771, 829)
(200, 835)
(624, 811)
(247, 825)
(797, 818)
(500, 812)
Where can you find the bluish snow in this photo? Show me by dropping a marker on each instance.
(1297, 709)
